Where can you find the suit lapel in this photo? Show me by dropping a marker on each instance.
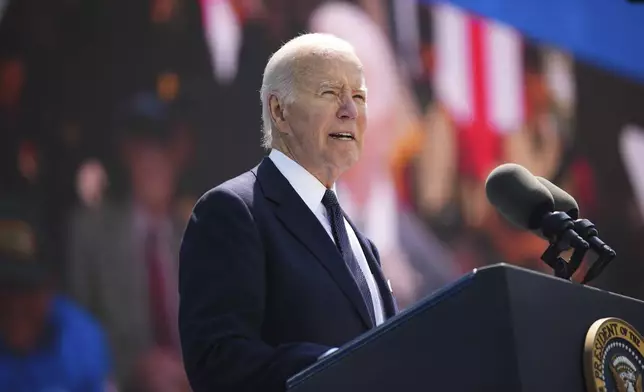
(304, 225)
(383, 287)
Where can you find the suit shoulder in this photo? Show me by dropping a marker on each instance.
(224, 209)
(236, 190)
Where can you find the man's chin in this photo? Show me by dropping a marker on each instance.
(348, 163)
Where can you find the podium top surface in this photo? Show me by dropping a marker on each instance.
(506, 319)
(512, 272)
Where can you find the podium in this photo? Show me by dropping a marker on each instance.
(498, 328)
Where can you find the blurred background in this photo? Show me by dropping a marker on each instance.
(117, 115)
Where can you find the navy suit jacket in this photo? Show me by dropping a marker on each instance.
(263, 289)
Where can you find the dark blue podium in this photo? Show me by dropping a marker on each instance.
(499, 328)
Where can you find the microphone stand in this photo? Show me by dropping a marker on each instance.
(605, 253)
(558, 227)
(563, 269)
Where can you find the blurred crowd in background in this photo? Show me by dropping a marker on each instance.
(117, 115)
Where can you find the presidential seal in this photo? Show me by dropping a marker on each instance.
(613, 357)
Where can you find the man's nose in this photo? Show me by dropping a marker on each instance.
(348, 109)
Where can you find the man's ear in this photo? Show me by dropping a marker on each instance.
(277, 113)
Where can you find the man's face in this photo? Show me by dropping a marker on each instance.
(325, 124)
(153, 175)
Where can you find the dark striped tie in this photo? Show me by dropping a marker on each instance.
(336, 217)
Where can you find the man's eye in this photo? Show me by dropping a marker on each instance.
(361, 97)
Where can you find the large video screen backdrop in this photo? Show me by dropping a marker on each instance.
(113, 111)
(451, 96)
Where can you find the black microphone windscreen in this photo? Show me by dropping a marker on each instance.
(518, 196)
(564, 202)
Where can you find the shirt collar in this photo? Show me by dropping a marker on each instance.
(309, 188)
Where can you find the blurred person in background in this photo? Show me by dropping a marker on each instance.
(539, 144)
(425, 159)
(547, 144)
(123, 256)
(47, 343)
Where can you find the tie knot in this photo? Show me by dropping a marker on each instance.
(329, 200)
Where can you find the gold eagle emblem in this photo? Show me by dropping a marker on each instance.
(613, 350)
(625, 375)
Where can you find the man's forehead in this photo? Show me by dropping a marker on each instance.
(332, 74)
(314, 60)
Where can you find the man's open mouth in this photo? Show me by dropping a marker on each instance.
(342, 136)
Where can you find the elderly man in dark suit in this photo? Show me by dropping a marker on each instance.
(273, 274)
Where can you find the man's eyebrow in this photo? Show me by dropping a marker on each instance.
(331, 85)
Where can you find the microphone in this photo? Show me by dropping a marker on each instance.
(528, 204)
(585, 228)
(563, 200)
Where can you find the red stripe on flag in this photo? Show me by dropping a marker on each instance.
(479, 143)
(478, 73)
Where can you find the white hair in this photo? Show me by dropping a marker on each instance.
(279, 74)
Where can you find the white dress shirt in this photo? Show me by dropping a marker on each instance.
(311, 190)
